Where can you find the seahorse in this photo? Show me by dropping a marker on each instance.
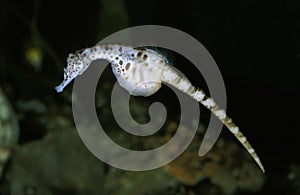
(141, 73)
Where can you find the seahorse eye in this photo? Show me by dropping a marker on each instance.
(79, 64)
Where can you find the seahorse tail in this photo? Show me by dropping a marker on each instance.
(220, 113)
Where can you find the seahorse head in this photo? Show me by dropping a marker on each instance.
(75, 67)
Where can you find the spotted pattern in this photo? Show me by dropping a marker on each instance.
(141, 72)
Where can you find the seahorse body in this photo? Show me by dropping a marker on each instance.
(141, 73)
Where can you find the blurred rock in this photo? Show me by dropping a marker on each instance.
(9, 130)
(227, 166)
(57, 164)
(141, 182)
(293, 178)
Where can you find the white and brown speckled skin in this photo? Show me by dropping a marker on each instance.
(141, 73)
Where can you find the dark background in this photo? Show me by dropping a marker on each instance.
(256, 45)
